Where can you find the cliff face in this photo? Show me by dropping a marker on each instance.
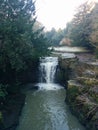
(64, 71)
(82, 90)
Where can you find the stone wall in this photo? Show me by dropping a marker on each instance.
(82, 89)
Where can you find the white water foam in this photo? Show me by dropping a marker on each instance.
(49, 86)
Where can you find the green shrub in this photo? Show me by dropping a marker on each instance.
(96, 53)
(73, 92)
(3, 91)
(1, 117)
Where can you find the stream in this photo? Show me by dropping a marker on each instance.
(45, 108)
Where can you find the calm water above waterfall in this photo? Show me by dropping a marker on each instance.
(45, 109)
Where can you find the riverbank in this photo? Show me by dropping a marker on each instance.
(11, 98)
(11, 111)
(82, 91)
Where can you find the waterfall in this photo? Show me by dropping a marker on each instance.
(47, 70)
(48, 66)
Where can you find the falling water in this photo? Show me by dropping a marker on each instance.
(48, 67)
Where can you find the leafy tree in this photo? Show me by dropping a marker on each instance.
(19, 42)
(94, 20)
(3, 92)
(55, 36)
(50, 34)
(15, 29)
(94, 33)
(80, 26)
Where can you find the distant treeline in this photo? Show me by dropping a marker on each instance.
(81, 31)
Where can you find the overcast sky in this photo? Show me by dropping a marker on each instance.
(56, 13)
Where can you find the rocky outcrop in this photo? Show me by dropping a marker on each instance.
(82, 90)
(64, 71)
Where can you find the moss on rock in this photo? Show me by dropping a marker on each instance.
(82, 106)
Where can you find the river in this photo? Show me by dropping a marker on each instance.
(45, 108)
